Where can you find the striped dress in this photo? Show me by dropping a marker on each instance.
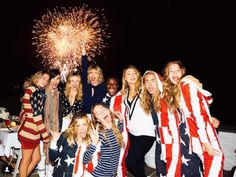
(32, 126)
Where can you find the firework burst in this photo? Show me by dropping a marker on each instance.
(59, 34)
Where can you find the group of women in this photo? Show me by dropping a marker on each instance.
(172, 111)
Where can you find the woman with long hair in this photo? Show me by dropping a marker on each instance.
(72, 100)
(108, 133)
(139, 124)
(32, 128)
(193, 103)
(67, 148)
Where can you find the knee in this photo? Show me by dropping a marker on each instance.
(38, 159)
(25, 162)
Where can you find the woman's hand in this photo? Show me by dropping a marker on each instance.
(83, 49)
(55, 135)
(94, 135)
(215, 122)
(119, 116)
(210, 150)
(46, 140)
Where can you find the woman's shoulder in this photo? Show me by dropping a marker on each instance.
(29, 90)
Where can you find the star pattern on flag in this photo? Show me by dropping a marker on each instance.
(67, 108)
(105, 99)
(186, 131)
(37, 102)
(60, 149)
(70, 161)
(158, 139)
(181, 141)
(162, 175)
(184, 160)
(59, 162)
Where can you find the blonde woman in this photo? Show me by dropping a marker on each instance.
(72, 100)
(52, 112)
(140, 125)
(32, 127)
(94, 88)
(67, 148)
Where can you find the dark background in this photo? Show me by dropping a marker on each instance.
(145, 33)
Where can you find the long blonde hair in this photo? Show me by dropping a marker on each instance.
(125, 85)
(71, 133)
(101, 128)
(97, 69)
(33, 79)
(79, 95)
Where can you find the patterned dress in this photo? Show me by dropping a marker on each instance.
(32, 126)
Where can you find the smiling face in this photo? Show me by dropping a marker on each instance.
(74, 82)
(43, 81)
(102, 114)
(112, 86)
(175, 73)
(94, 77)
(53, 83)
(131, 76)
(82, 127)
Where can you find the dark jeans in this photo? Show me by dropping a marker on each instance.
(139, 146)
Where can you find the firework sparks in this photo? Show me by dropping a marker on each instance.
(59, 34)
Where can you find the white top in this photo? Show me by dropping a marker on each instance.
(65, 124)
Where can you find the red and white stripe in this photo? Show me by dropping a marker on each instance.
(170, 140)
(117, 105)
(194, 103)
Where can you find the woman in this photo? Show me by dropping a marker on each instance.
(194, 104)
(32, 127)
(72, 100)
(94, 88)
(117, 105)
(140, 125)
(111, 140)
(166, 119)
(66, 149)
(112, 85)
(52, 112)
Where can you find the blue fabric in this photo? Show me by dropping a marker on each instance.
(99, 90)
(62, 156)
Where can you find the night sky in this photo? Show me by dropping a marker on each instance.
(145, 33)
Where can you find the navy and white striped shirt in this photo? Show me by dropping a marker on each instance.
(109, 155)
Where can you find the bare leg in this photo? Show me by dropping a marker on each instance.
(35, 160)
(25, 162)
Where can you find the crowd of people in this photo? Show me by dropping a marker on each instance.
(95, 127)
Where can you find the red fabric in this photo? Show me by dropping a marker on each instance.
(77, 161)
(27, 145)
(117, 104)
